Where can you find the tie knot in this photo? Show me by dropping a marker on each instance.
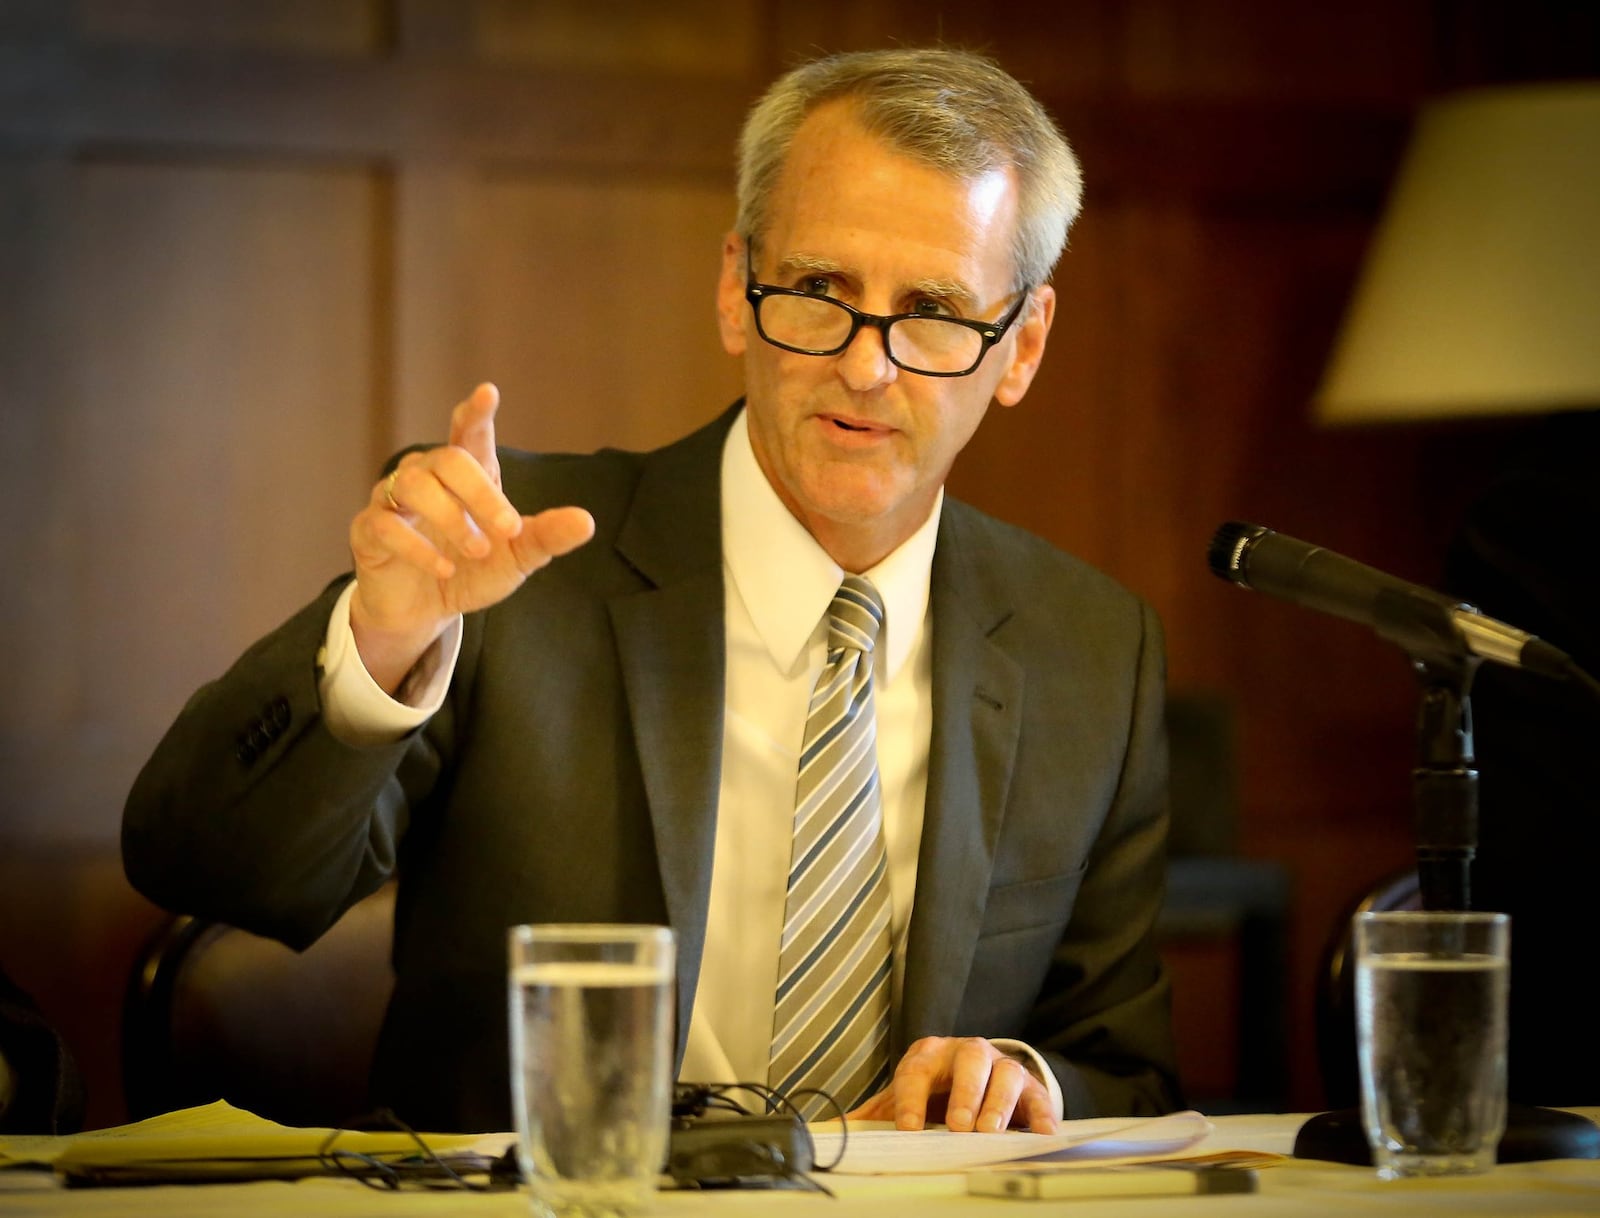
(855, 615)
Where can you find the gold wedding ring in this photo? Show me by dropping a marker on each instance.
(388, 491)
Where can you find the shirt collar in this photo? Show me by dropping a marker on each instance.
(787, 580)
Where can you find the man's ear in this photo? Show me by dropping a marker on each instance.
(1031, 332)
(731, 304)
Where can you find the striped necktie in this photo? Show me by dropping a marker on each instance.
(831, 1020)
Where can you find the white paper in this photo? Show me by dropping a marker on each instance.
(880, 1149)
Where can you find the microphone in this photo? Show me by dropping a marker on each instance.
(1421, 620)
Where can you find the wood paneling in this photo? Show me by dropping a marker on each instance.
(689, 38)
(55, 93)
(194, 443)
(596, 300)
(349, 27)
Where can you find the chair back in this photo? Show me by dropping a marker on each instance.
(215, 1012)
(1336, 987)
(1219, 898)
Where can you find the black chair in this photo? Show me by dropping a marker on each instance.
(1336, 987)
(214, 1012)
(1215, 893)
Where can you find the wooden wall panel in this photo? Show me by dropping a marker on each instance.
(34, 365)
(185, 433)
(589, 302)
(597, 310)
(692, 38)
(341, 28)
(1367, 51)
(195, 451)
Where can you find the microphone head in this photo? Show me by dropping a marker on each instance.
(1230, 545)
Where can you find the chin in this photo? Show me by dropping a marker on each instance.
(855, 498)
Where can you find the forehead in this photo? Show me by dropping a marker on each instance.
(845, 196)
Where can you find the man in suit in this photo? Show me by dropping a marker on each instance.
(534, 710)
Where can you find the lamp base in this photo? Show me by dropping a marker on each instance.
(1531, 1134)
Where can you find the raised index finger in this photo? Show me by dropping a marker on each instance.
(472, 427)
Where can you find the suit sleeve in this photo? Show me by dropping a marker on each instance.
(1103, 1018)
(250, 811)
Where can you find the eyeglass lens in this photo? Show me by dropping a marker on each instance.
(816, 323)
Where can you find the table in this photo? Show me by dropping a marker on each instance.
(1292, 1189)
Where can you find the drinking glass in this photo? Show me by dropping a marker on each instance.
(591, 1063)
(1431, 991)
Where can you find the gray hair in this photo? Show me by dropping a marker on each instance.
(953, 110)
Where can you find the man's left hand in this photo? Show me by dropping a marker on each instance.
(968, 1081)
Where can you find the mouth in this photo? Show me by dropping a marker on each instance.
(856, 426)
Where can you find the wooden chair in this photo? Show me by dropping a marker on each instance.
(212, 1011)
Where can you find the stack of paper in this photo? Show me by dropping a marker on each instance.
(880, 1149)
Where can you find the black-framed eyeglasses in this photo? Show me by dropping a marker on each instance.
(808, 324)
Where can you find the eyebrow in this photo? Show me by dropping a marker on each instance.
(945, 289)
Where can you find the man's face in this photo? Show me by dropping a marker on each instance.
(856, 447)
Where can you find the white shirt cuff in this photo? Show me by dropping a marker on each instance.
(1037, 1066)
(356, 708)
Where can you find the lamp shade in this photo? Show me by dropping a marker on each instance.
(1481, 293)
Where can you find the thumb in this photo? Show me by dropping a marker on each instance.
(550, 534)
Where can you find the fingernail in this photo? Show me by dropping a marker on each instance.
(509, 523)
(909, 1121)
(988, 1122)
(959, 1118)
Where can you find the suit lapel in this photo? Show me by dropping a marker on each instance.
(977, 715)
(671, 651)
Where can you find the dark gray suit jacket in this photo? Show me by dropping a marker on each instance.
(572, 775)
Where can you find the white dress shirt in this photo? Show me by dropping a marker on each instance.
(778, 583)
(777, 588)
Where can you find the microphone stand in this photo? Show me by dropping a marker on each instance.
(1444, 783)
(1445, 793)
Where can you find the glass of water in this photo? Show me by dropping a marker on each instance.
(591, 1063)
(1431, 995)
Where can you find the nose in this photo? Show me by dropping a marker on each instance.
(865, 363)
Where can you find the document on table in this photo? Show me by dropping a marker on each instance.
(218, 1141)
(879, 1149)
